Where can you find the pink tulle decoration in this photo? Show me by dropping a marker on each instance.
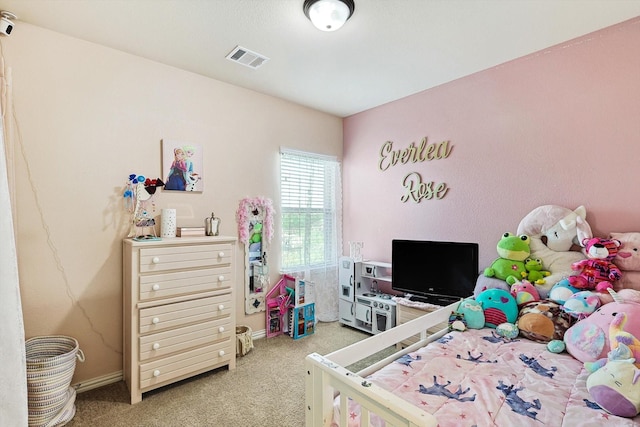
(244, 216)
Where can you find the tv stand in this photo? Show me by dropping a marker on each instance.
(425, 300)
(405, 314)
(440, 300)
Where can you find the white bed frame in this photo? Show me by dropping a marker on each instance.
(326, 377)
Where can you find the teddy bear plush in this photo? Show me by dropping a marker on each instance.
(628, 260)
(597, 272)
(513, 250)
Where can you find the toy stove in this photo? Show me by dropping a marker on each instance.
(376, 309)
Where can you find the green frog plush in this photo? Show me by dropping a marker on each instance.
(510, 267)
(535, 272)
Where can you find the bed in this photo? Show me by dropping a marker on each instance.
(470, 378)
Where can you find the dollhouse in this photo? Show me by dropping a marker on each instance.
(288, 311)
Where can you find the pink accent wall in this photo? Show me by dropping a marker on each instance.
(560, 126)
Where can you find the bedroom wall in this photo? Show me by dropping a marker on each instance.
(561, 127)
(85, 117)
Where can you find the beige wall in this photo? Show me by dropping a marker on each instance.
(85, 117)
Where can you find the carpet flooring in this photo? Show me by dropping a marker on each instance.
(265, 390)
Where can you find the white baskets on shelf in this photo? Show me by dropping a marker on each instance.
(51, 362)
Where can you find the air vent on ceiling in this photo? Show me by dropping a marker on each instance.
(246, 57)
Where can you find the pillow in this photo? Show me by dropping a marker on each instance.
(628, 260)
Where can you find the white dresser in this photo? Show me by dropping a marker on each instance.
(179, 314)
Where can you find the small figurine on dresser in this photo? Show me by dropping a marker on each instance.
(139, 202)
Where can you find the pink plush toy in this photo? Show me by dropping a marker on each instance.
(524, 291)
(597, 271)
(588, 340)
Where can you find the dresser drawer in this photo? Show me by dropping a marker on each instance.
(156, 319)
(168, 368)
(153, 286)
(184, 257)
(180, 339)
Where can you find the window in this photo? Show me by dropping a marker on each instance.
(311, 209)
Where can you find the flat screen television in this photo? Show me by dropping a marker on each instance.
(434, 272)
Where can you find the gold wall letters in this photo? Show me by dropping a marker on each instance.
(413, 154)
(416, 189)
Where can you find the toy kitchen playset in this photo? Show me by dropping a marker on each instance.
(361, 304)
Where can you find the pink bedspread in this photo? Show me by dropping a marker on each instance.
(475, 378)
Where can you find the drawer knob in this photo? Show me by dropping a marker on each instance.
(221, 278)
(155, 260)
(156, 346)
(221, 329)
(156, 373)
(155, 320)
(221, 353)
(221, 307)
(220, 254)
(155, 287)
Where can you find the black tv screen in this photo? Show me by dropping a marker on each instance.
(434, 272)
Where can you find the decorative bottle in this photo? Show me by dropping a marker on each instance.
(211, 225)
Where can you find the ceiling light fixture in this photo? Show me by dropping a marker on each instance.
(328, 15)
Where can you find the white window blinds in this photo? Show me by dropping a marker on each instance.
(311, 207)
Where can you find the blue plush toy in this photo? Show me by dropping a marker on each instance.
(581, 304)
(473, 314)
(561, 291)
(499, 306)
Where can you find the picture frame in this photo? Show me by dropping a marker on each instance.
(182, 166)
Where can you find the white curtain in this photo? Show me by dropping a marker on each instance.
(13, 373)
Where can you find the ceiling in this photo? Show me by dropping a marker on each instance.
(389, 49)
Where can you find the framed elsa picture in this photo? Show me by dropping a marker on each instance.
(182, 166)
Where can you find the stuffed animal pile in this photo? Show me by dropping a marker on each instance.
(554, 235)
(555, 283)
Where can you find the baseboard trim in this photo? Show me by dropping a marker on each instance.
(98, 382)
(259, 334)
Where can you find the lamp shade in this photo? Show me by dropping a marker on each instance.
(328, 15)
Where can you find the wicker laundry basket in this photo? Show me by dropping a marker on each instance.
(51, 362)
(244, 340)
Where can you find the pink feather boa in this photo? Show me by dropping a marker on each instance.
(244, 215)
